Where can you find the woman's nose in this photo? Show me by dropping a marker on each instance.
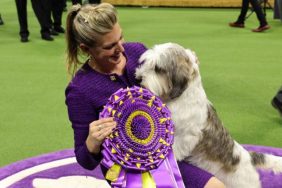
(120, 47)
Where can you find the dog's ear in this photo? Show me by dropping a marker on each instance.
(147, 58)
(179, 77)
(194, 62)
(192, 55)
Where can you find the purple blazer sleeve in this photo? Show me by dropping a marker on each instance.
(193, 177)
(81, 114)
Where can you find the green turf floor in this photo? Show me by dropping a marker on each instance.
(241, 72)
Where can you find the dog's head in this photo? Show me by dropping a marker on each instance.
(167, 69)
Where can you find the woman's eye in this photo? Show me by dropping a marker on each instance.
(109, 47)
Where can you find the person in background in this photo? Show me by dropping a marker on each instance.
(41, 15)
(278, 10)
(56, 8)
(240, 22)
(277, 101)
(94, 31)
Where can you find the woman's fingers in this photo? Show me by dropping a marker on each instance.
(107, 125)
(99, 130)
(101, 121)
(100, 127)
(105, 133)
(101, 124)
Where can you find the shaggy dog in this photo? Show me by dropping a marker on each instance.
(172, 72)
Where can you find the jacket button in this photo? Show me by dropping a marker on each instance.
(113, 78)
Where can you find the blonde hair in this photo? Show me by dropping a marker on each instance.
(85, 25)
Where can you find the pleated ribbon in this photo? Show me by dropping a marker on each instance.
(138, 153)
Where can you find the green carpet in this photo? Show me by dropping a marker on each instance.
(241, 72)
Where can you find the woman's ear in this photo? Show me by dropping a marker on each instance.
(84, 48)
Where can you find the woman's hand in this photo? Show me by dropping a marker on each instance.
(98, 131)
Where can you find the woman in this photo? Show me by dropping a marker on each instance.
(94, 30)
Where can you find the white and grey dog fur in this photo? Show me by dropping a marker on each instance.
(172, 72)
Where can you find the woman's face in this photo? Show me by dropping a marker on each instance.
(109, 50)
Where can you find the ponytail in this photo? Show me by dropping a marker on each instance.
(72, 43)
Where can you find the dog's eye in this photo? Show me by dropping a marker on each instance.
(159, 70)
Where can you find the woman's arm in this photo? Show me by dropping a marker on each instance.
(81, 114)
(197, 178)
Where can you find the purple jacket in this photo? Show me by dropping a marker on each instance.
(86, 95)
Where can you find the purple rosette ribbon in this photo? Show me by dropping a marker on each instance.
(138, 153)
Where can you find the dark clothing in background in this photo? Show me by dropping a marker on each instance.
(39, 10)
(55, 10)
(256, 7)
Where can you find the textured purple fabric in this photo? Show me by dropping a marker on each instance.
(194, 180)
(89, 91)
